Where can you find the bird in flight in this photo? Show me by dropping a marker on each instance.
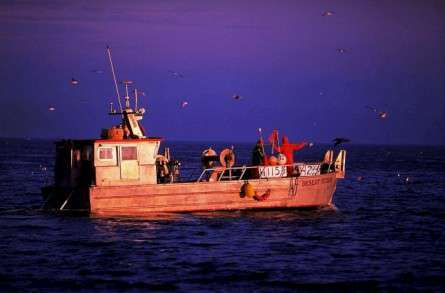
(341, 50)
(380, 114)
(176, 74)
(328, 13)
(74, 81)
(184, 104)
(372, 109)
(237, 97)
(339, 140)
(51, 109)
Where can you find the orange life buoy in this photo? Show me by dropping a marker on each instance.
(227, 158)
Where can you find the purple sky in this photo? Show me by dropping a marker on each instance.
(280, 56)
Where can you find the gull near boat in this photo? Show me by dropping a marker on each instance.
(123, 174)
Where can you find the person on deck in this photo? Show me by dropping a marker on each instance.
(288, 149)
(258, 155)
(259, 158)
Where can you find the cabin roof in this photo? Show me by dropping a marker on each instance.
(91, 141)
(129, 140)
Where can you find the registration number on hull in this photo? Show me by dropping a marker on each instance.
(308, 169)
(272, 171)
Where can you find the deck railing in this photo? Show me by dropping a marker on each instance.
(239, 173)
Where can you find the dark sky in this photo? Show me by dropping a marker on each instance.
(282, 57)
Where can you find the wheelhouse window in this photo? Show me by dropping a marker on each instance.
(129, 153)
(106, 154)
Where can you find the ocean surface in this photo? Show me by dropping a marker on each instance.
(385, 233)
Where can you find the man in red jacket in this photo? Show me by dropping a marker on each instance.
(288, 149)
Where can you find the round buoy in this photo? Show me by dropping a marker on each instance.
(208, 157)
(247, 190)
(227, 158)
(273, 160)
(113, 133)
(282, 159)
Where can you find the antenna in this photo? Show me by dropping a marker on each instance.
(114, 78)
(127, 97)
(135, 100)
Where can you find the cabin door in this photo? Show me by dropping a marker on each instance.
(129, 163)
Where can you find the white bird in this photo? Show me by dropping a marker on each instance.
(383, 115)
(328, 13)
(372, 109)
(176, 74)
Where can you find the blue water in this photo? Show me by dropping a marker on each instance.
(386, 233)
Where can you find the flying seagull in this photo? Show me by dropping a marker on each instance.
(339, 140)
(381, 114)
(176, 74)
(184, 104)
(74, 81)
(373, 109)
(328, 13)
(51, 109)
(237, 97)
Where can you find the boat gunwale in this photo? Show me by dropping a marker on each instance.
(256, 180)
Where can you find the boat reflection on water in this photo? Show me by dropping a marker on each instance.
(278, 214)
(151, 220)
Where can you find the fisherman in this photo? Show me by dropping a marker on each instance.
(258, 158)
(258, 155)
(288, 149)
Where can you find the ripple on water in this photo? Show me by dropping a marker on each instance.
(382, 234)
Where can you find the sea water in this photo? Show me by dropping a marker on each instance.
(386, 232)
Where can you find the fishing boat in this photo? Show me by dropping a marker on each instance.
(124, 173)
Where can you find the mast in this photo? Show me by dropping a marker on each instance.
(114, 78)
(130, 117)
